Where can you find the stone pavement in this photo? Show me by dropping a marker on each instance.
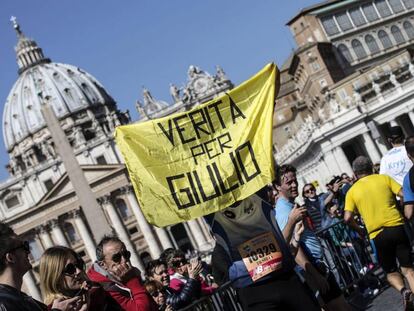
(388, 300)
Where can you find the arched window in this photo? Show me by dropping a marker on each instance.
(71, 233)
(409, 30)
(385, 39)
(122, 209)
(398, 36)
(372, 44)
(343, 50)
(358, 49)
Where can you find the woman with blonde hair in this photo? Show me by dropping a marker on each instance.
(62, 276)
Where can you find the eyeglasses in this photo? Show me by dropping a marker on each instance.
(309, 190)
(179, 263)
(24, 245)
(70, 268)
(156, 293)
(165, 271)
(118, 256)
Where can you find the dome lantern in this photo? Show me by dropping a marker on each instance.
(27, 51)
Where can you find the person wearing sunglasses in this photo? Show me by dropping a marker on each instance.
(14, 264)
(157, 270)
(156, 290)
(62, 276)
(121, 280)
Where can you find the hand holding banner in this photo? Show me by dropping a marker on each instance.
(194, 163)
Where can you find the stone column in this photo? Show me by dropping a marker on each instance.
(197, 233)
(57, 233)
(411, 116)
(144, 226)
(30, 283)
(163, 238)
(85, 235)
(45, 237)
(190, 235)
(371, 148)
(205, 228)
(120, 230)
(331, 163)
(342, 161)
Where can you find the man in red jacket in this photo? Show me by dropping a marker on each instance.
(122, 281)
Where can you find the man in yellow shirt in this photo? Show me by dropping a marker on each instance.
(373, 197)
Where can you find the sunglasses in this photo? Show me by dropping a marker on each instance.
(24, 245)
(179, 263)
(70, 268)
(310, 190)
(165, 271)
(155, 294)
(118, 256)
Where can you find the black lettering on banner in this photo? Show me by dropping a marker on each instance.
(169, 134)
(187, 191)
(195, 155)
(216, 193)
(194, 190)
(236, 168)
(210, 123)
(235, 111)
(215, 106)
(181, 130)
(242, 163)
(223, 144)
(197, 125)
(207, 149)
(220, 180)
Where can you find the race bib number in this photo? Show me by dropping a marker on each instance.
(261, 255)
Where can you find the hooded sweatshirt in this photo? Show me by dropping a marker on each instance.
(131, 296)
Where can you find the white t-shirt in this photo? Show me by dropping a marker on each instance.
(396, 164)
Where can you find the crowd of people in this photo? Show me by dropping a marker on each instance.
(269, 246)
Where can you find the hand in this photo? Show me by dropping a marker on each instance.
(297, 214)
(194, 269)
(169, 308)
(125, 272)
(297, 232)
(336, 186)
(70, 304)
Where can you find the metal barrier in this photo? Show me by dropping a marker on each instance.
(225, 298)
(348, 256)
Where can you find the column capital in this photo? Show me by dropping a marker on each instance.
(76, 213)
(126, 189)
(42, 229)
(105, 200)
(53, 223)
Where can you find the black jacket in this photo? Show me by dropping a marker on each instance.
(12, 299)
(190, 292)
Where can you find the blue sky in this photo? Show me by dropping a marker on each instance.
(129, 44)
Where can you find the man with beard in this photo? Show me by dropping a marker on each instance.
(14, 264)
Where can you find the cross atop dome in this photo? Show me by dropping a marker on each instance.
(28, 52)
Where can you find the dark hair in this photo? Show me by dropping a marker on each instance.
(165, 253)
(177, 253)
(409, 145)
(105, 240)
(397, 140)
(306, 185)
(152, 265)
(6, 242)
(282, 170)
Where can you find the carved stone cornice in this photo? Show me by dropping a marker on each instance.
(105, 200)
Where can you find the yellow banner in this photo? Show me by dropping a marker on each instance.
(198, 162)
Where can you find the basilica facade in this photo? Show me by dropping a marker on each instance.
(39, 200)
(350, 78)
